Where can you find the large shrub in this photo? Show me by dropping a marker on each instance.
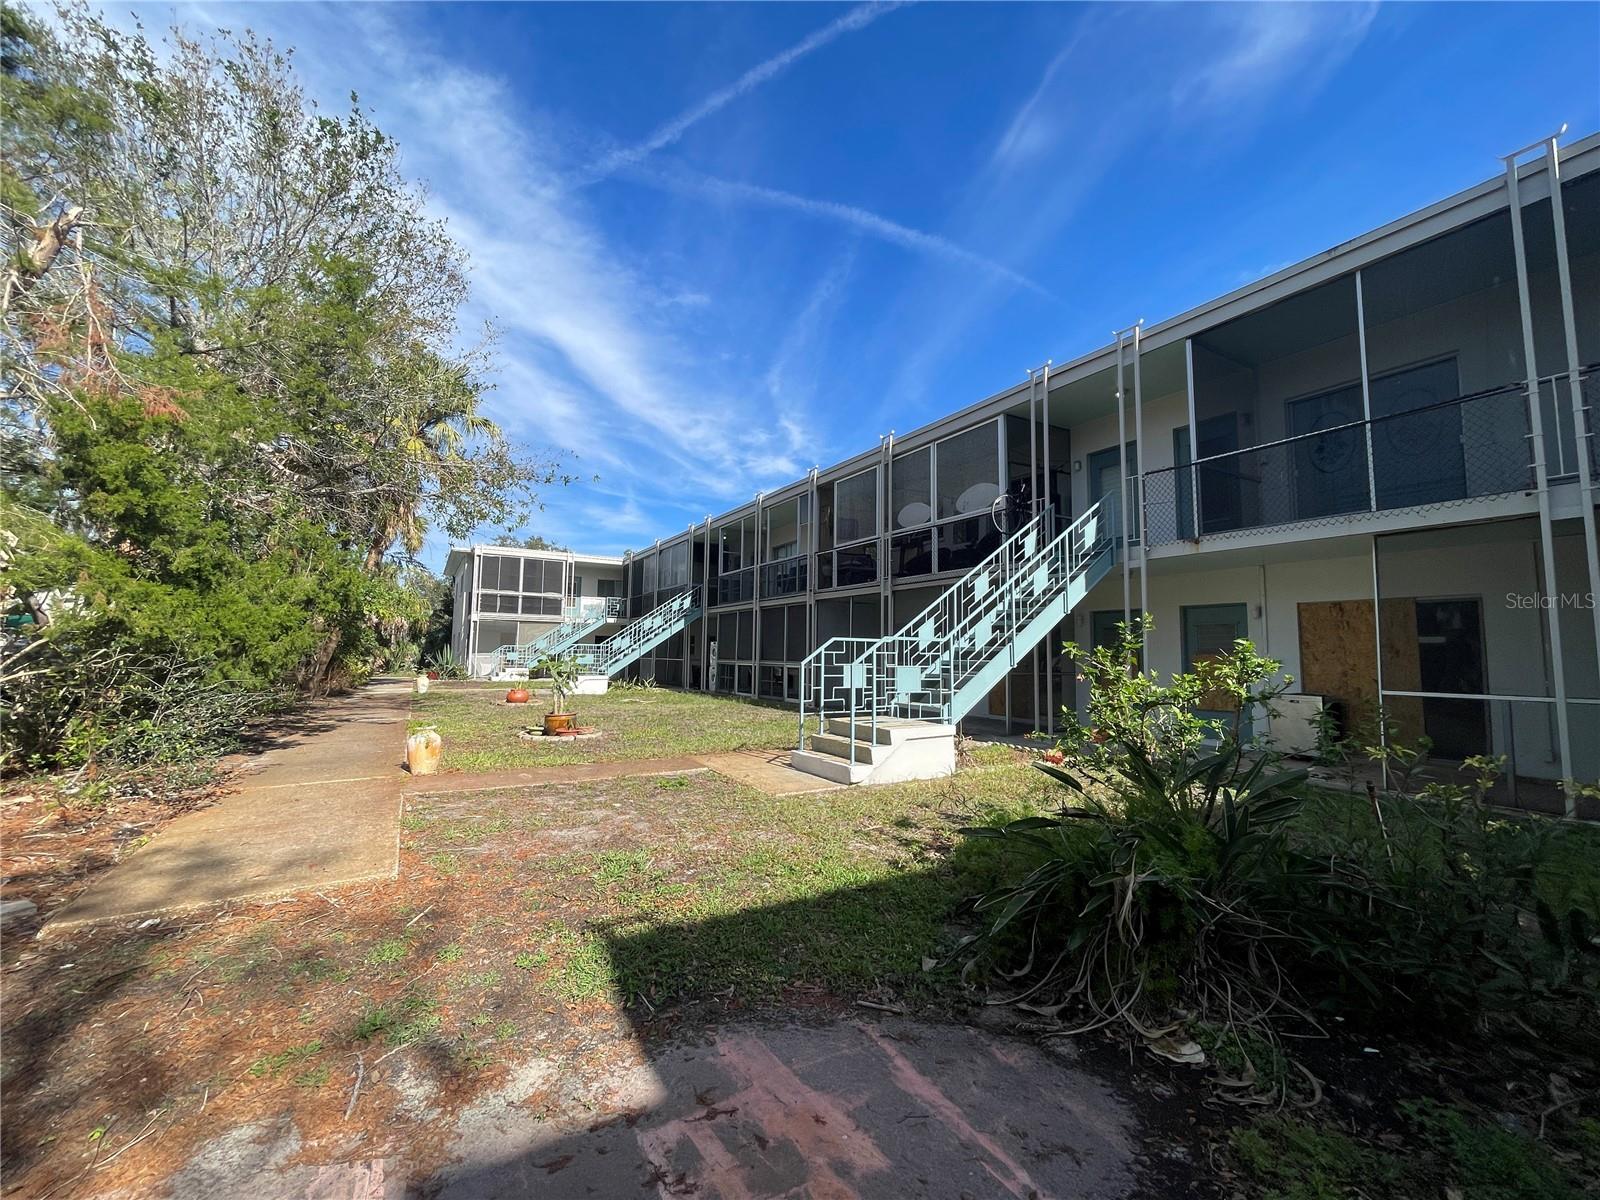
(1195, 891)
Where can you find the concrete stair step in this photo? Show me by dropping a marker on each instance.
(851, 749)
(826, 766)
(891, 731)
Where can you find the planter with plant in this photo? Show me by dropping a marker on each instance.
(444, 664)
(562, 672)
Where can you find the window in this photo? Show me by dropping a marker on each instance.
(911, 553)
(673, 571)
(953, 482)
(968, 472)
(855, 508)
(911, 489)
(788, 528)
(964, 544)
(736, 543)
(529, 587)
(849, 515)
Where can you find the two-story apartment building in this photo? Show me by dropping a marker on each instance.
(1380, 465)
(507, 596)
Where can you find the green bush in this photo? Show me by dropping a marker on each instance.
(1194, 891)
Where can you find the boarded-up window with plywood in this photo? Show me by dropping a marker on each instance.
(1338, 659)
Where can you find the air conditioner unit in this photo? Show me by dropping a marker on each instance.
(1294, 724)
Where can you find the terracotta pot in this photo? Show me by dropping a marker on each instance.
(433, 675)
(1100, 737)
(517, 695)
(555, 723)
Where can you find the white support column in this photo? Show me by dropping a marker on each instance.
(1034, 437)
(1055, 523)
(1377, 638)
(1141, 457)
(811, 553)
(1583, 429)
(1366, 393)
(1541, 478)
(885, 536)
(1122, 487)
(759, 557)
(707, 684)
(475, 607)
(1194, 443)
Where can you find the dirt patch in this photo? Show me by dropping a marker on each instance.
(51, 847)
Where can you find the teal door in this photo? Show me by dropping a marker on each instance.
(1209, 631)
(1104, 467)
(1104, 631)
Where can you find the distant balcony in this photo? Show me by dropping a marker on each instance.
(1441, 454)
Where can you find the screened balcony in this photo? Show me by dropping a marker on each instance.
(1439, 453)
(1399, 386)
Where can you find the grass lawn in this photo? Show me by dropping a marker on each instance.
(568, 925)
(551, 923)
(481, 732)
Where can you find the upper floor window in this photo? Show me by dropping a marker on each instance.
(958, 476)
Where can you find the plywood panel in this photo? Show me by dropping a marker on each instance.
(1338, 658)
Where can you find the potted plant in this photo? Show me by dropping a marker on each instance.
(517, 695)
(562, 672)
(444, 665)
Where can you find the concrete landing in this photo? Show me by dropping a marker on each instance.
(320, 806)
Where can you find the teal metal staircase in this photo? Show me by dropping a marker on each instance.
(577, 623)
(639, 637)
(947, 658)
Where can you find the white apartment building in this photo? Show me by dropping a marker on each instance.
(1379, 465)
(508, 597)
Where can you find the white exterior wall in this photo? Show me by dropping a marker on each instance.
(1515, 646)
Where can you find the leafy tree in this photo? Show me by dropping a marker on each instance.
(532, 542)
(235, 393)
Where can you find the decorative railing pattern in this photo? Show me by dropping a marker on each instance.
(639, 636)
(931, 668)
(577, 623)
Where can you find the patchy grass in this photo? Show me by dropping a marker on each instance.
(563, 922)
(272, 1064)
(481, 733)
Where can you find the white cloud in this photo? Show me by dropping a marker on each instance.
(1267, 46)
(848, 215)
(665, 135)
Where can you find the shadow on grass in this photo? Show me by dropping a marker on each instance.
(759, 1076)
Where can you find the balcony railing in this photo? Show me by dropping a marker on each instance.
(1463, 449)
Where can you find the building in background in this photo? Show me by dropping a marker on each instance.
(505, 596)
(1379, 465)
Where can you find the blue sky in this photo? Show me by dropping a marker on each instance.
(724, 243)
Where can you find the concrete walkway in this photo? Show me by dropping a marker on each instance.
(319, 807)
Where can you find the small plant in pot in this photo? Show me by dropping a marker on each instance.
(562, 672)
